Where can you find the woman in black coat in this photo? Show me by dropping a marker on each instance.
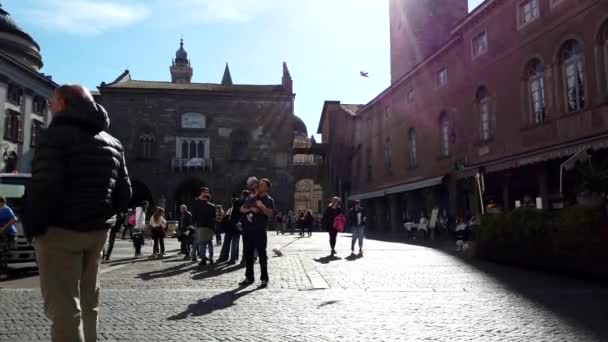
(330, 214)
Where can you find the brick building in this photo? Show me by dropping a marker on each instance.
(24, 91)
(514, 89)
(181, 135)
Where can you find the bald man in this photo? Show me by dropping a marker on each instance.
(79, 183)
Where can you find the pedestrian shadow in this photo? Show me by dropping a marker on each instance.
(327, 259)
(167, 272)
(354, 257)
(216, 270)
(218, 302)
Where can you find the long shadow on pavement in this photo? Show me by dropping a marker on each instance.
(167, 272)
(327, 259)
(216, 270)
(220, 301)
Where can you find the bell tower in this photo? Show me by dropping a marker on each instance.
(418, 28)
(181, 70)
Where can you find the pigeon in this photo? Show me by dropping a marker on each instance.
(364, 73)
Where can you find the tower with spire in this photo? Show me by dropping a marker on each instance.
(227, 78)
(181, 70)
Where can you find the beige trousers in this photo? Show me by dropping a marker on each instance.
(68, 262)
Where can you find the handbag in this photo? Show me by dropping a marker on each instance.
(339, 223)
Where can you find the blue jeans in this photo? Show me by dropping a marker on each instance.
(204, 239)
(358, 233)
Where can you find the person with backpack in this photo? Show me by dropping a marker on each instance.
(333, 221)
(357, 220)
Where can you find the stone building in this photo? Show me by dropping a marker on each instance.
(509, 93)
(308, 163)
(180, 135)
(24, 91)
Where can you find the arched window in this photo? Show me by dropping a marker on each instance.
(444, 134)
(413, 152)
(571, 57)
(483, 103)
(146, 142)
(388, 157)
(536, 90)
(603, 48)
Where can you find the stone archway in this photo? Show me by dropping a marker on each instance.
(308, 196)
(186, 192)
(141, 193)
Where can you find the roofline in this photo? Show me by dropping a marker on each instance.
(321, 120)
(29, 70)
(104, 89)
(473, 15)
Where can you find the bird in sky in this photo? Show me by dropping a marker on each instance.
(364, 73)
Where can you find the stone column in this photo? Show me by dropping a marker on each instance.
(543, 184)
(506, 193)
(394, 212)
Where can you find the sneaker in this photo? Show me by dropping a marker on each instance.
(264, 284)
(246, 282)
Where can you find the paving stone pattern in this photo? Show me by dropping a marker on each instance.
(396, 292)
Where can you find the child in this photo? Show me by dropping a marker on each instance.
(138, 240)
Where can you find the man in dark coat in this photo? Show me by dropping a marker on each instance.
(185, 222)
(79, 183)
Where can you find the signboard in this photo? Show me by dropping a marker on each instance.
(194, 121)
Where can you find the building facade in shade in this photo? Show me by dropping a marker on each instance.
(24, 92)
(514, 89)
(180, 135)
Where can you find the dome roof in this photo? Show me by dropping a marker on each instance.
(299, 127)
(181, 56)
(17, 43)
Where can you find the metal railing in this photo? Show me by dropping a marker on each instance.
(191, 164)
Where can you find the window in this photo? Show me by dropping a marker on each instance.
(191, 148)
(13, 126)
(39, 105)
(483, 101)
(388, 157)
(14, 94)
(412, 140)
(410, 97)
(480, 44)
(536, 91)
(36, 129)
(444, 126)
(528, 11)
(571, 55)
(442, 77)
(387, 113)
(146, 142)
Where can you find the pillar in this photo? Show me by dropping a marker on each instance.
(543, 184)
(506, 193)
(380, 215)
(394, 212)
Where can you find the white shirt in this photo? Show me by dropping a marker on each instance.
(140, 218)
(161, 222)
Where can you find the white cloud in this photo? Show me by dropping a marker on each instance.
(221, 10)
(86, 17)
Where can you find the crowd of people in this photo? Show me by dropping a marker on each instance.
(78, 159)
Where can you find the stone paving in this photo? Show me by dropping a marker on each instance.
(396, 292)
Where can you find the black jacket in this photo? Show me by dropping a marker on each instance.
(203, 214)
(79, 176)
(184, 222)
(329, 216)
(352, 216)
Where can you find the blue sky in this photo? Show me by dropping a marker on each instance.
(324, 42)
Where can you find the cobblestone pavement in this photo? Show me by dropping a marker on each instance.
(396, 292)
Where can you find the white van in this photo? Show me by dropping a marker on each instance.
(12, 188)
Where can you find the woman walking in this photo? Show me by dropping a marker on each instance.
(329, 217)
(309, 222)
(158, 224)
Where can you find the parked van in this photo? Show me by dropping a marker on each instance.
(12, 188)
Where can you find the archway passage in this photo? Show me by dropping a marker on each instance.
(141, 193)
(308, 196)
(187, 191)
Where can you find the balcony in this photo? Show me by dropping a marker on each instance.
(191, 165)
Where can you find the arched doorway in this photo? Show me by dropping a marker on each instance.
(186, 192)
(141, 193)
(308, 196)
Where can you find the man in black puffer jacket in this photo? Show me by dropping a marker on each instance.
(79, 183)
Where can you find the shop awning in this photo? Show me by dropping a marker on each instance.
(426, 183)
(538, 156)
